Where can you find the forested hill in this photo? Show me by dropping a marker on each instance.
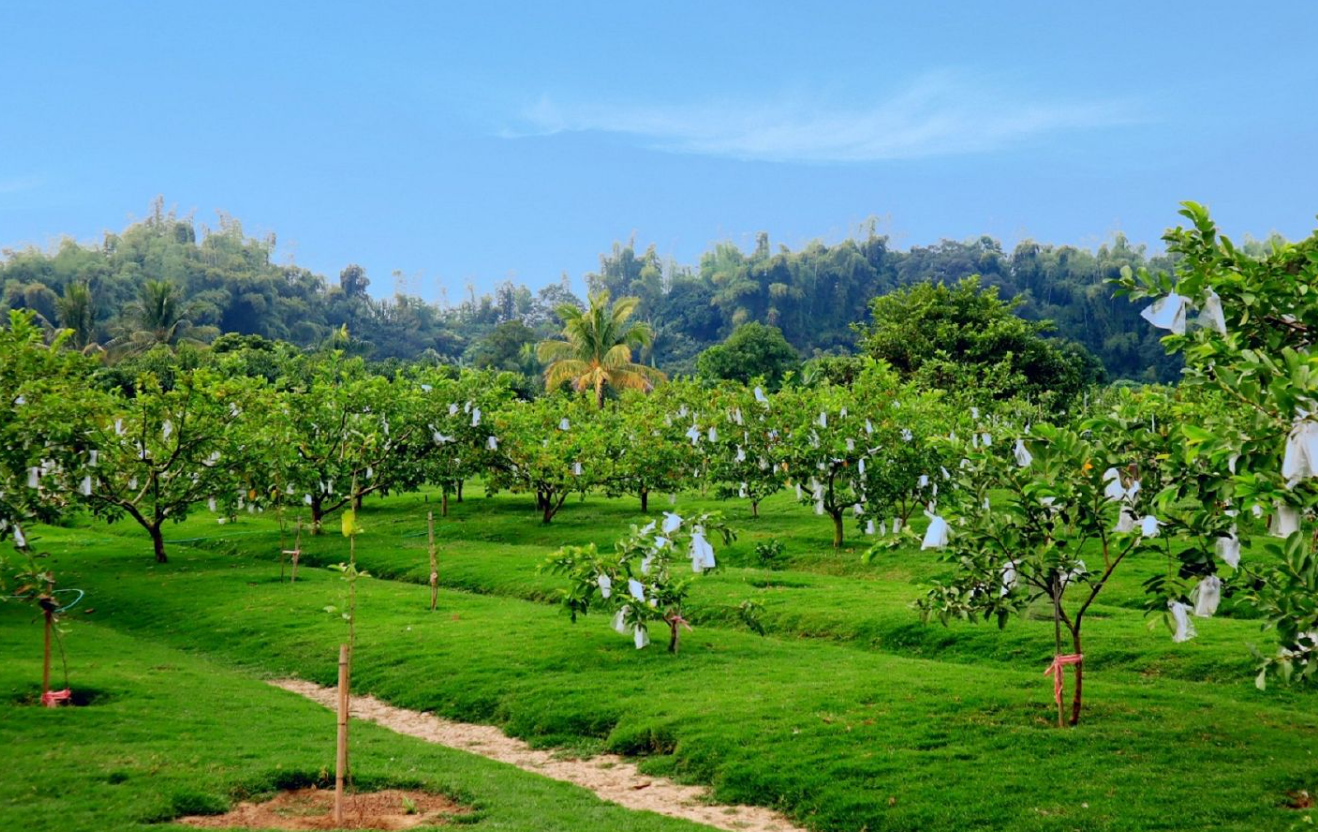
(228, 282)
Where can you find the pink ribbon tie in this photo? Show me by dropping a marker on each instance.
(1057, 671)
(53, 698)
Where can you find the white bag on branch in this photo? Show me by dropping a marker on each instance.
(896, 525)
(1167, 313)
(869, 527)
(1300, 460)
(641, 637)
(1207, 595)
(475, 417)
(713, 434)
(605, 583)
(671, 522)
(636, 589)
(1285, 521)
(760, 397)
(492, 443)
(576, 469)
(1114, 490)
(693, 433)
(1022, 454)
(935, 537)
(822, 421)
(702, 553)
(1008, 578)
(33, 477)
(1228, 549)
(1184, 626)
(1211, 317)
(620, 620)
(1149, 526)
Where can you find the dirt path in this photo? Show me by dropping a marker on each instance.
(609, 776)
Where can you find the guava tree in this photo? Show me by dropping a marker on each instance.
(163, 451)
(824, 437)
(1043, 520)
(904, 464)
(744, 462)
(1245, 318)
(550, 447)
(646, 451)
(455, 438)
(45, 456)
(643, 583)
(348, 436)
(46, 447)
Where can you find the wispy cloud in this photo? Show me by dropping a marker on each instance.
(18, 185)
(939, 115)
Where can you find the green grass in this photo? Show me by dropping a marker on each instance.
(851, 715)
(168, 733)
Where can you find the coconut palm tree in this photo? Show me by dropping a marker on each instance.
(596, 350)
(77, 312)
(158, 319)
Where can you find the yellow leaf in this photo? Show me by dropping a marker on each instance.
(349, 523)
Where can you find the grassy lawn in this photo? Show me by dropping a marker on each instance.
(171, 733)
(851, 715)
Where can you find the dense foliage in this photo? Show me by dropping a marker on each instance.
(225, 281)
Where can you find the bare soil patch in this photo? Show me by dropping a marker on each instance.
(609, 776)
(313, 808)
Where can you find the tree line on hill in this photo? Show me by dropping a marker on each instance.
(164, 278)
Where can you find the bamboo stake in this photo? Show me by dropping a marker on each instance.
(283, 534)
(45, 662)
(434, 567)
(295, 553)
(341, 758)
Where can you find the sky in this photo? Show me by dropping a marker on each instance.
(467, 144)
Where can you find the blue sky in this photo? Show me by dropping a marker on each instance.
(472, 144)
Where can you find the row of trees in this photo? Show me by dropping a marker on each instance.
(1018, 492)
(165, 280)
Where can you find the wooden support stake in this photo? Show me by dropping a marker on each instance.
(434, 566)
(297, 551)
(341, 758)
(45, 662)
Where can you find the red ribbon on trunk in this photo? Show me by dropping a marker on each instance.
(1057, 671)
(676, 619)
(53, 698)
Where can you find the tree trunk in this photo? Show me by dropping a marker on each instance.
(672, 638)
(645, 499)
(599, 395)
(316, 516)
(443, 502)
(459, 491)
(755, 508)
(158, 542)
(837, 529)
